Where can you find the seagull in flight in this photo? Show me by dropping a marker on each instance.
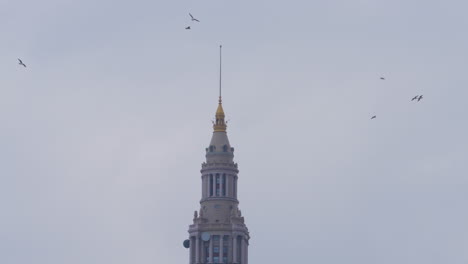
(420, 97)
(21, 63)
(382, 78)
(193, 19)
(414, 98)
(187, 27)
(373, 117)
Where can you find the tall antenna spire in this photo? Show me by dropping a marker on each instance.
(220, 125)
(220, 53)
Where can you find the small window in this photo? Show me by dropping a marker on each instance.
(215, 249)
(207, 252)
(225, 148)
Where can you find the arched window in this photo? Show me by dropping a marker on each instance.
(206, 247)
(239, 249)
(225, 246)
(211, 185)
(224, 184)
(225, 148)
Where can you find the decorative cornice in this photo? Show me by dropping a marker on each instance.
(223, 165)
(218, 198)
(216, 227)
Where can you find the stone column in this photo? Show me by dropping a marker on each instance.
(235, 188)
(221, 248)
(246, 261)
(203, 187)
(234, 249)
(191, 250)
(197, 250)
(202, 253)
(229, 253)
(214, 185)
(243, 251)
(207, 186)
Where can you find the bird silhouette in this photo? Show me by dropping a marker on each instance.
(382, 78)
(193, 19)
(420, 97)
(21, 63)
(187, 27)
(414, 98)
(373, 117)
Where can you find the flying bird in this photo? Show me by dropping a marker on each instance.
(382, 78)
(187, 27)
(193, 19)
(373, 117)
(21, 63)
(420, 97)
(414, 98)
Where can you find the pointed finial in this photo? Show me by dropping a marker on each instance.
(220, 64)
(220, 124)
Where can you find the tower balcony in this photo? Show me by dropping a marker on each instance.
(220, 165)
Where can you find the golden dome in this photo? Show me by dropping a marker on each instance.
(219, 125)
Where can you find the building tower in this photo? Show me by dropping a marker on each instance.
(218, 233)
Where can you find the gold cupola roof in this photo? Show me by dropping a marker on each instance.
(219, 125)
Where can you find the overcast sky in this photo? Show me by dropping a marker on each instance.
(103, 134)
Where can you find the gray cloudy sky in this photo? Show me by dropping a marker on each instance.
(103, 134)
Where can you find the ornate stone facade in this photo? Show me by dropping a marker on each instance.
(218, 233)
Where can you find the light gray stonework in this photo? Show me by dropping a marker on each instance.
(219, 214)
